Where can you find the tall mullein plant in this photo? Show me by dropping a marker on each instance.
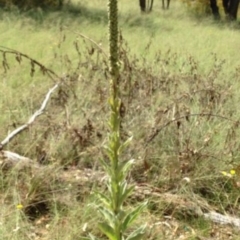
(116, 219)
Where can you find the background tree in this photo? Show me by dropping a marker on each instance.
(230, 7)
(146, 6)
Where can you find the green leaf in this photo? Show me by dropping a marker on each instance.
(104, 199)
(124, 167)
(121, 215)
(125, 194)
(106, 167)
(109, 151)
(124, 145)
(137, 234)
(109, 217)
(132, 216)
(107, 230)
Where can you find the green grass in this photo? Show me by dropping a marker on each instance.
(172, 64)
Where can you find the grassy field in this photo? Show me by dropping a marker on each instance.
(180, 89)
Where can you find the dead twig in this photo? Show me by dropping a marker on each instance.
(92, 41)
(156, 131)
(19, 56)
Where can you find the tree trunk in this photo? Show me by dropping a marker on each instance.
(142, 4)
(151, 5)
(215, 10)
(233, 9)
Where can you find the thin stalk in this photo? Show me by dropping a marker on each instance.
(115, 107)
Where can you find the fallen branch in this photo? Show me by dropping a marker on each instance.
(9, 160)
(31, 120)
(14, 158)
(185, 206)
(223, 219)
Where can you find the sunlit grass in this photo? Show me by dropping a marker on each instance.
(171, 29)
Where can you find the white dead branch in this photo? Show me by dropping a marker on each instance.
(14, 157)
(11, 159)
(223, 219)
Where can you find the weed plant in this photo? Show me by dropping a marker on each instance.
(116, 220)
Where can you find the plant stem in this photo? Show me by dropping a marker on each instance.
(115, 106)
(113, 46)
